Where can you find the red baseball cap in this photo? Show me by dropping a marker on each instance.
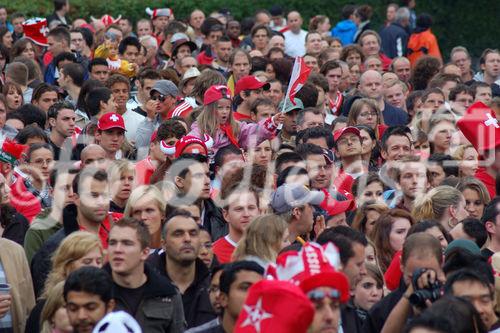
(183, 146)
(216, 92)
(275, 306)
(349, 129)
(250, 82)
(111, 120)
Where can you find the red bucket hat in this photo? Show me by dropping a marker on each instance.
(36, 30)
(277, 307)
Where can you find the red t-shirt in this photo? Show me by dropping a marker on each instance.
(223, 248)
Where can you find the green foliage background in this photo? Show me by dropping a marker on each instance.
(472, 23)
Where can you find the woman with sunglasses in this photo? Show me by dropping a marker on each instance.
(216, 120)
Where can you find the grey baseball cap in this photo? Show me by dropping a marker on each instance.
(165, 87)
(289, 106)
(288, 196)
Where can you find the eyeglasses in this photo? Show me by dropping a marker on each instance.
(159, 97)
(318, 295)
(367, 114)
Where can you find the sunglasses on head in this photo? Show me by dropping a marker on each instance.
(159, 97)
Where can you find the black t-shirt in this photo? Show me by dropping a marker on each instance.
(487, 253)
(131, 297)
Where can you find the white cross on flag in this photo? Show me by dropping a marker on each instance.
(114, 117)
(491, 121)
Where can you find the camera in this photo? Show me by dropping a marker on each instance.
(432, 293)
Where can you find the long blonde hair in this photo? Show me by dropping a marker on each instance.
(207, 121)
(262, 238)
(54, 302)
(433, 204)
(72, 248)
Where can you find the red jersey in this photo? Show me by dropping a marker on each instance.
(223, 248)
(144, 169)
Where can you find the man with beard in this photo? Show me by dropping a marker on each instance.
(180, 264)
(289, 130)
(89, 212)
(223, 49)
(412, 179)
(88, 297)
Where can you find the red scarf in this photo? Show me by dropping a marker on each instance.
(228, 130)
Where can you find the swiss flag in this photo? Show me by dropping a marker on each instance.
(480, 126)
(300, 73)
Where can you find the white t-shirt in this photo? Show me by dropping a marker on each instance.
(132, 120)
(295, 44)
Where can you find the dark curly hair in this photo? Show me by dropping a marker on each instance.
(425, 69)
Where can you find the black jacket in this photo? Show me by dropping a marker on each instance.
(197, 307)
(378, 314)
(41, 263)
(350, 320)
(15, 225)
(160, 310)
(213, 220)
(394, 40)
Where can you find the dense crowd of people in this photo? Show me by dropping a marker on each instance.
(209, 174)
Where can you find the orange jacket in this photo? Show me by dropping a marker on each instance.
(423, 43)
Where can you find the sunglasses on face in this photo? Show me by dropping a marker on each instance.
(160, 98)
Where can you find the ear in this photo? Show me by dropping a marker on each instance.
(110, 306)
(253, 116)
(76, 199)
(223, 299)
(296, 213)
(383, 153)
(225, 214)
(97, 136)
(242, 95)
(179, 182)
(490, 227)
(453, 211)
(102, 104)
(336, 152)
(145, 253)
(52, 122)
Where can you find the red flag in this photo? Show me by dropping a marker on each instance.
(300, 73)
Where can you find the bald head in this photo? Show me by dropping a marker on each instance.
(294, 21)
(93, 155)
(370, 84)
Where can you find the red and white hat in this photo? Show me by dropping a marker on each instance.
(107, 20)
(214, 93)
(157, 12)
(312, 267)
(275, 307)
(111, 120)
(36, 30)
(182, 146)
(480, 126)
